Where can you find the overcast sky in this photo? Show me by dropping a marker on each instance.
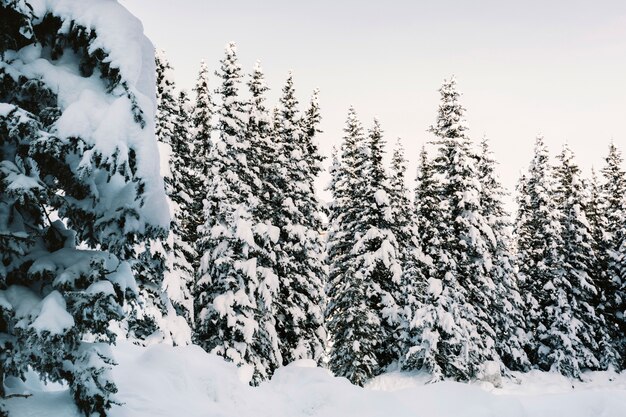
(524, 67)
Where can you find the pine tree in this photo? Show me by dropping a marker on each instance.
(456, 336)
(575, 289)
(613, 286)
(538, 238)
(262, 160)
(57, 301)
(201, 147)
(300, 301)
(424, 305)
(184, 178)
(163, 267)
(410, 253)
(507, 310)
(377, 252)
(228, 319)
(167, 106)
(180, 253)
(353, 325)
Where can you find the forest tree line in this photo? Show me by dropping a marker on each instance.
(445, 282)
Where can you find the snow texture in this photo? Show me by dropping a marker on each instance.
(186, 381)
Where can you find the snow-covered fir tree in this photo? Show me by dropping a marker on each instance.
(422, 336)
(410, 253)
(353, 324)
(507, 311)
(75, 169)
(201, 147)
(613, 285)
(174, 140)
(376, 252)
(228, 320)
(167, 104)
(300, 300)
(537, 233)
(456, 336)
(163, 269)
(577, 332)
(262, 160)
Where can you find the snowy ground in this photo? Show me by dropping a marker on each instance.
(185, 381)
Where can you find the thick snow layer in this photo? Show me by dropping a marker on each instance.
(185, 381)
(104, 120)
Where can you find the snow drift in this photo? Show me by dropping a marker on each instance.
(185, 381)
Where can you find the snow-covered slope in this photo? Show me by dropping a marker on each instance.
(186, 381)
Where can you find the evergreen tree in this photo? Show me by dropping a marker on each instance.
(424, 306)
(167, 106)
(262, 160)
(180, 253)
(538, 238)
(201, 148)
(613, 286)
(300, 301)
(409, 247)
(456, 337)
(377, 252)
(354, 326)
(575, 317)
(163, 266)
(57, 301)
(507, 308)
(228, 319)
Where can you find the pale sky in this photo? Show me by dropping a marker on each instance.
(524, 67)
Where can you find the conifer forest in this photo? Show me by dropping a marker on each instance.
(163, 247)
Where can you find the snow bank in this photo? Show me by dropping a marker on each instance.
(185, 381)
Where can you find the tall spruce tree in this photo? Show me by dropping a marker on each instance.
(262, 160)
(201, 148)
(507, 316)
(410, 253)
(228, 319)
(300, 301)
(378, 258)
(537, 234)
(354, 326)
(577, 332)
(613, 286)
(456, 337)
(57, 301)
(180, 253)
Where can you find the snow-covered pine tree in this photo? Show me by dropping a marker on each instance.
(228, 320)
(353, 325)
(426, 305)
(185, 180)
(300, 301)
(262, 160)
(410, 253)
(375, 255)
(537, 233)
(595, 211)
(201, 145)
(167, 105)
(76, 168)
(507, 316)
(174, 140)
(160, 268)
(613, 286)
(456, 339)
(576, 332)
(310, 127)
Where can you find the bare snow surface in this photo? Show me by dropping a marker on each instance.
(185, 381)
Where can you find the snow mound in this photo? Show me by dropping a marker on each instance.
(186, 381)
